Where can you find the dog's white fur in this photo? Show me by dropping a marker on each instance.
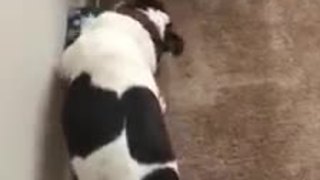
(118, 53)
(114, 162)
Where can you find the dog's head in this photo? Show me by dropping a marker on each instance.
(159, 26)
(150, 13)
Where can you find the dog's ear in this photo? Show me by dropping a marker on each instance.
(173, 42)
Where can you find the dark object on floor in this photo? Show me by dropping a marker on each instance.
(76, 18)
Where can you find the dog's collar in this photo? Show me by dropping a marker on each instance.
(143, 19)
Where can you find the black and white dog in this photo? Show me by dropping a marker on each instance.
(113, 112)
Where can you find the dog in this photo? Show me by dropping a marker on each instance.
(113, 114)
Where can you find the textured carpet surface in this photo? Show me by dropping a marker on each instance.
(245, 97)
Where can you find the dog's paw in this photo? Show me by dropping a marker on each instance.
(163, 104)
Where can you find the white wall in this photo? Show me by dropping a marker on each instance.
(31, 36)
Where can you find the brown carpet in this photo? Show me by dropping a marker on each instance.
(245, 97)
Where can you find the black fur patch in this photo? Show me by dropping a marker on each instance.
(147, 135)
(162, 174)
(93, 117)
(173, 42)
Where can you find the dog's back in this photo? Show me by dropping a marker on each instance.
(112, 117)
(111, 137)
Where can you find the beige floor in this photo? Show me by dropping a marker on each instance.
(244, 98)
